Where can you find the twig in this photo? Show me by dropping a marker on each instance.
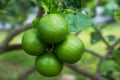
(83, 3)
(18, 46)
(100, 34)
(14, 33)
(83, 72)
(94, 53)
(112, 48)
(107, 54)
(40, 12)
(31, 70)
(24, 75)
(10, 48)
(71, 66)
(78, 32)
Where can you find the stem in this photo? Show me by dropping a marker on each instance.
(83, 3)
(100, 34)
(112, 48)
(94, 53)
(52, 48)
(108, 54)
(78, 32)
(83, 72)
(24, 75)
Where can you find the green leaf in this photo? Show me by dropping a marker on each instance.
(108, 9)
(35, 23)
(77, 21)
(116, 54)
(111, 37)
(108, 65)
(44, 6)
(95, 37)
(73, 4)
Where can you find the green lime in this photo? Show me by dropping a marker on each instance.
(31, 43)
(70, 50)
(52, 28)
(48, 64)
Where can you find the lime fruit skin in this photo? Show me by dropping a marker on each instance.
(52, 28)
(31, 43)
(48, 64)
(70, 50)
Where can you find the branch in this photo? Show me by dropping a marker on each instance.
(83, 72)
(31, 70)
(78, 32)
(100, 34)
(10, 48)
(40, 12)
(112, 48)
(83, 3)
(17, 31)
(71, 66)
(24, 75)
(107, 54)
(14, 33)
(94, 53)
(18, 46)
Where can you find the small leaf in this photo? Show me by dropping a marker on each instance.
(44, 6)
(94, 37)
(35, 23)
(77, 21)
(111, 38)
(108, 65)
(116, 54)
(117, 15)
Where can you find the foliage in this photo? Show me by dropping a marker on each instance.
(117, 15)
(79, 16)
(78, 21)
(15, 12)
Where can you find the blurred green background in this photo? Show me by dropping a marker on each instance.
(14, 13)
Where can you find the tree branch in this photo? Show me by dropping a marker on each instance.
(17, 31)
(14, 33)
(112, 48)
(94, 53)
(83, 72)
(19, 46)
(10, 48)
(71, 66)
(31, 70)
(24, 75)
(100, 34)
(40, 12)
(107, 54)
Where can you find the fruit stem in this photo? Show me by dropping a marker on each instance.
(52, 48)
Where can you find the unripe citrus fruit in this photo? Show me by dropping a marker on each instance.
(48, 64)
(70, 50)
(52, 28)
(31, 43)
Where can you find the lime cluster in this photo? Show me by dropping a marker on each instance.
(52, 45)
